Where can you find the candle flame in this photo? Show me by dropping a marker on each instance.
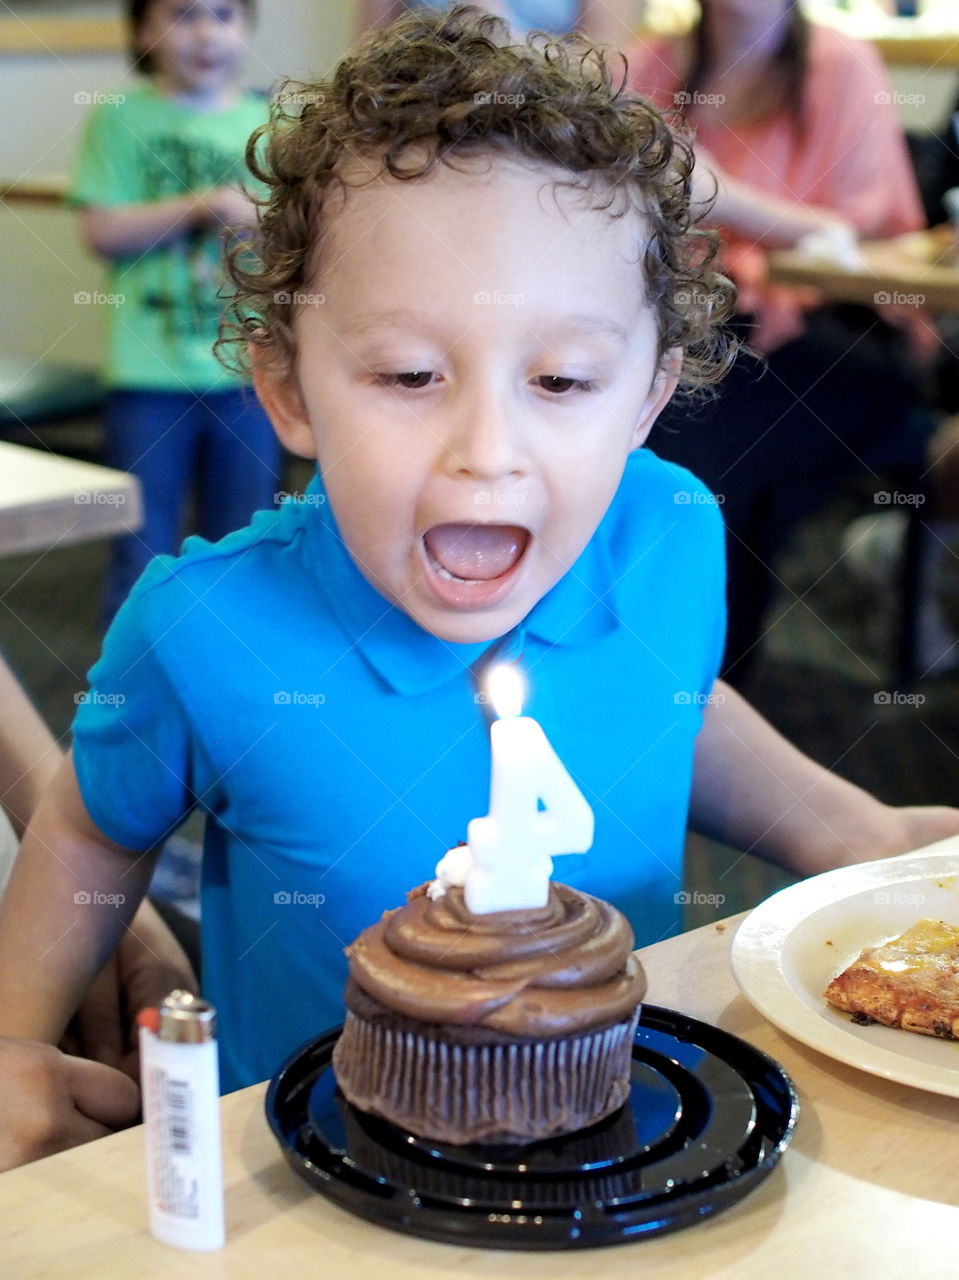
(504, 686)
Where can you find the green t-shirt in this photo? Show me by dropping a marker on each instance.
(169, 300)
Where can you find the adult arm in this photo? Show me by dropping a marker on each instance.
(755, 791)
(29, 757)
(51, 1100)
(755, 215)
(149, 961)
(72, 894)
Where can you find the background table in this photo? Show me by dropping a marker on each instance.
(47, 501)
(919, 49)
(919, 265)
(869, 1188)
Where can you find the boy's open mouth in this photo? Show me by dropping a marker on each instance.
(473, 564)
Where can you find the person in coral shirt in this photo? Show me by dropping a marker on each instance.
(795, 131)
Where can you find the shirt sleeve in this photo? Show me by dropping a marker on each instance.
(132, 737)
(107, 169)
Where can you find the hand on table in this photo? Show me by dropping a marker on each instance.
(50, 1101)
(148, 964)
(912, 827)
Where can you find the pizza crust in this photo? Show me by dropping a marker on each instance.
(910, 982)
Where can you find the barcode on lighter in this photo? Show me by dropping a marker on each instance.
(179, 1108)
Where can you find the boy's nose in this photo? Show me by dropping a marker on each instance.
(486, 445)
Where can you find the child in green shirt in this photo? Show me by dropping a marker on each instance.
(158, 178)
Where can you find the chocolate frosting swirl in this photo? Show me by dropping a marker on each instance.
(566, 967)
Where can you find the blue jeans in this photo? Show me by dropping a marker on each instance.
(218, 446)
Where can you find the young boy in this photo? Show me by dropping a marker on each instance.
(476, 290)
(158, 177)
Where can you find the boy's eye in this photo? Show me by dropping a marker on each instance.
(411, 381)
(558, 385)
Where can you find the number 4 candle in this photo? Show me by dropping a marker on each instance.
(509, 856)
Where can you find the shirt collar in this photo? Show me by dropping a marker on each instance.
(578, 610)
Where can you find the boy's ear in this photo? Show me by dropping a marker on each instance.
(277, 390)
(660, 394)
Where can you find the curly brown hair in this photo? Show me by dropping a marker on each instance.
(435, 87)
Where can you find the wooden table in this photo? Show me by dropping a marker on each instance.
(47, 501)
(919, 48)
(869, 1188)
(919, 269)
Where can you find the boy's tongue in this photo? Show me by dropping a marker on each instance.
(476, 552)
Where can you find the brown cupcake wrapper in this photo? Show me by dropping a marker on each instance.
(490, 1093)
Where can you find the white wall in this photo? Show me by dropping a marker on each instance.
(924, 96)
(43, 261)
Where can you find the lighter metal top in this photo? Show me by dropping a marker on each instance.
(186, 1019)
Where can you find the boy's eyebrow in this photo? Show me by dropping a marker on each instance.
(397, 318)
(401, 317)
(589, 324)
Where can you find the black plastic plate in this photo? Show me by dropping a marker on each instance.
(707, 1118)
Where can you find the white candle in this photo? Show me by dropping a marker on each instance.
(512, 848)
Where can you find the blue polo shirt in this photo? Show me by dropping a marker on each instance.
(338, 749)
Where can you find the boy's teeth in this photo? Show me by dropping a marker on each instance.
(451, 577)
(475, 552)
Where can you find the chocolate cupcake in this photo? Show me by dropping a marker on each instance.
(502, 1028)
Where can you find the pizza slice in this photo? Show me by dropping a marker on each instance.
(911, 982)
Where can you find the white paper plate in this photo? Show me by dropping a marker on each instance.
(788, 949)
